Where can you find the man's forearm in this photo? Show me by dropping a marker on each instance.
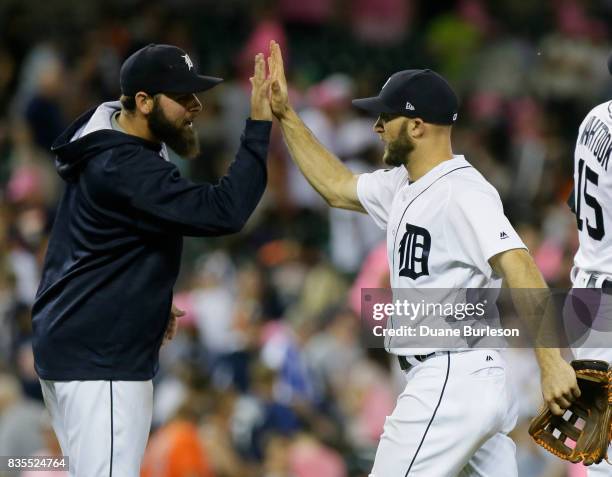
(547, 357)
(322, 169)
(534, 304)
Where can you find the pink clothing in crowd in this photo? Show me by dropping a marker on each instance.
(576, 470)
(373, 274)
(309, 458)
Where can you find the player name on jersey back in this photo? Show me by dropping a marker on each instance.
(596, 137)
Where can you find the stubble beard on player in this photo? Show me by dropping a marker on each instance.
(181, 139)
(398, 151)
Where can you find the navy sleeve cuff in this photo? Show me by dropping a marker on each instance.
(257, 129)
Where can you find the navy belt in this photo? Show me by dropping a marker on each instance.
(405, 365)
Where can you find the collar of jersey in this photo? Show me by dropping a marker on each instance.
(417, 187)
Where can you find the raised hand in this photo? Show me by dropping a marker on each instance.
(260, 104)
(279, 98)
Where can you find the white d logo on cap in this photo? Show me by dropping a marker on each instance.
(187, 61)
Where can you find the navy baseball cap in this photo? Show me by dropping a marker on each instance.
(162, 69)
(416, 94)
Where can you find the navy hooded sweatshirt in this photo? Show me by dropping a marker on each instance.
(105, 296)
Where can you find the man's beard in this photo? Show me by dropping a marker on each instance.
(181, 139)
(398, 151)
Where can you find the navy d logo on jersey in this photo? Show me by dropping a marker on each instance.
(414, 252)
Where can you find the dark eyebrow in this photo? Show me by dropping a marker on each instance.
(388, 116)
(179, 96)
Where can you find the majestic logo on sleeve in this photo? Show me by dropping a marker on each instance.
(414, 252)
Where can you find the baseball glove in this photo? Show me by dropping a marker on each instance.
(584, 431)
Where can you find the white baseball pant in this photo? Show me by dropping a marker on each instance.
(452, 419)
(102, 426)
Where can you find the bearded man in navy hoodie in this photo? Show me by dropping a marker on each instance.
(104, 305)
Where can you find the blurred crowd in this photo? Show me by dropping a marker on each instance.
(267, 376)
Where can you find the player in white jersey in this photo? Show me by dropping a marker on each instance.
(593, 191)
(592, 204)
(445, 229)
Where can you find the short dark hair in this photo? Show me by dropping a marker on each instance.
(128, 103)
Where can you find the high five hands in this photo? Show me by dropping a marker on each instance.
(260, 104)
(279, 97)
(269, 95)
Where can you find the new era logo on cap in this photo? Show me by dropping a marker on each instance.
(503, 235)
(415, 94)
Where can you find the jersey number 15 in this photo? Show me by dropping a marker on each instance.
(585, 176)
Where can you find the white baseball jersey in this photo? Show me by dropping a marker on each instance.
(441, 230)
(593, 190)
(592, 199)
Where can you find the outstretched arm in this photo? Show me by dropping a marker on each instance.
(166, 203)
(324, 171)
(530, 297)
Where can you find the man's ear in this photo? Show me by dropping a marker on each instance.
(144, 103)
(416, 129)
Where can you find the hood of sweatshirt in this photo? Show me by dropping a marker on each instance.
(90, 135)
